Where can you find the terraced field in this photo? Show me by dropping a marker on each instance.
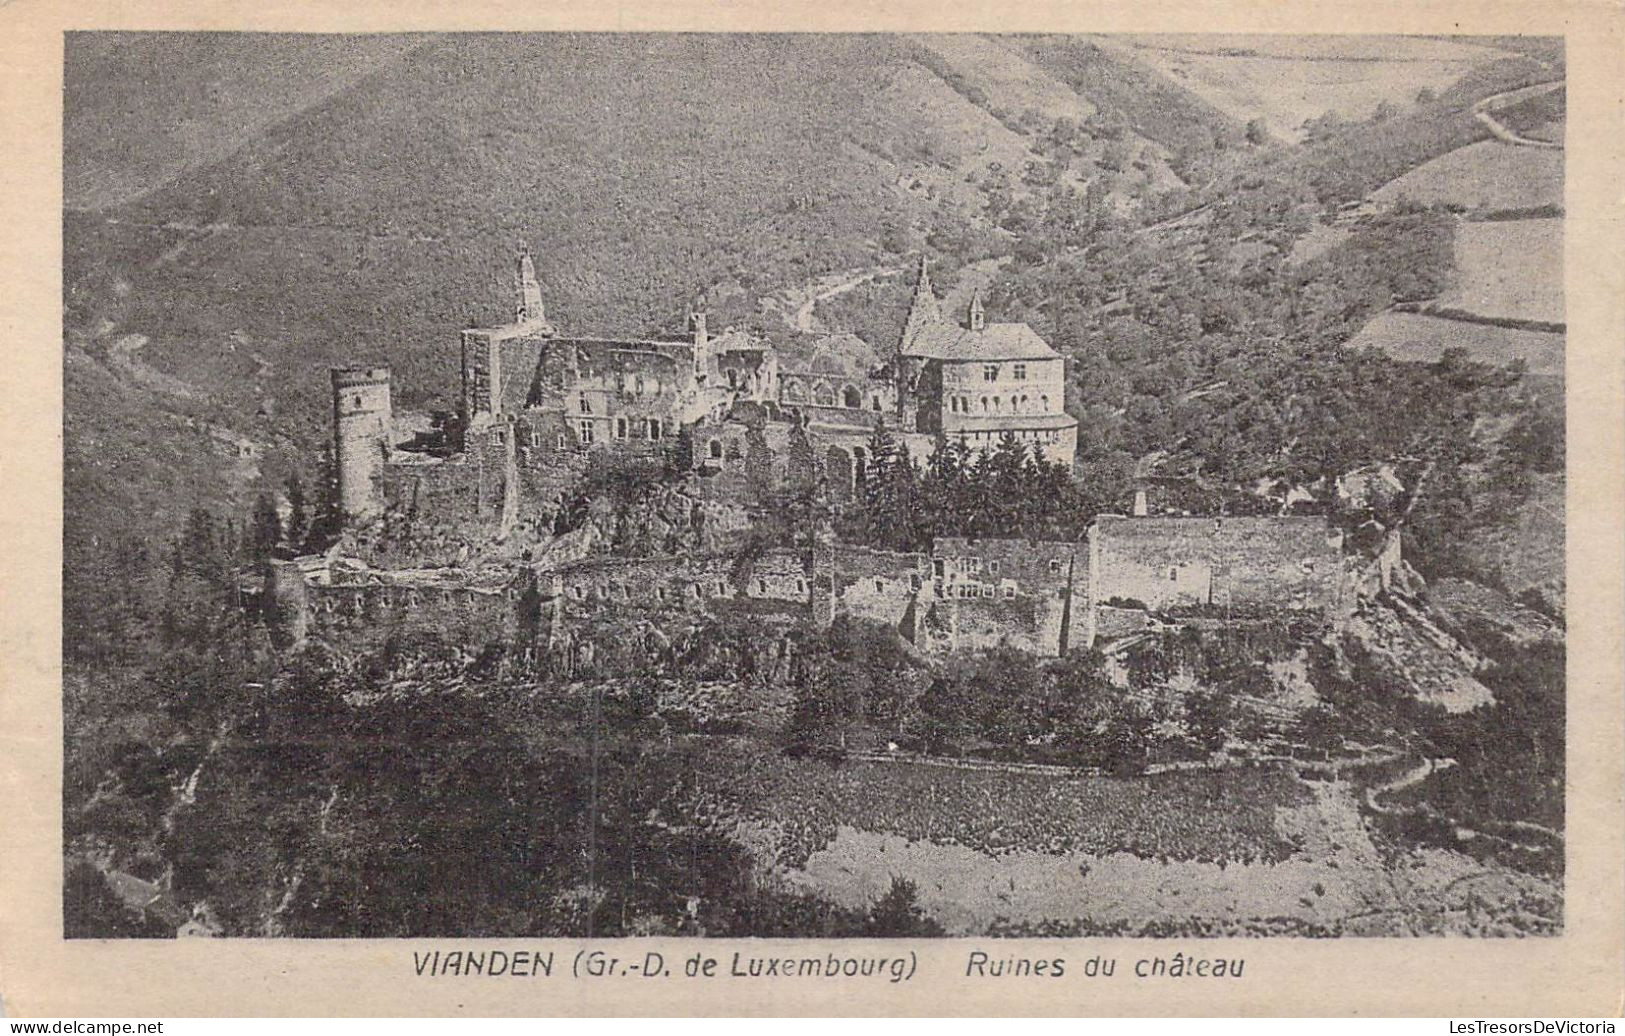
(1245, 76)
(1325, 874)
(1510, 270)
(1487, 175)
(1413, 336)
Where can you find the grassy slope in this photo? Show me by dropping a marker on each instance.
(377, 224)
(1286, 80)
(142, 108)
(1487, 175)
(1509, 269)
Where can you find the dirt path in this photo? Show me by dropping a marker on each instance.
(803, 319)
(124, 356)
(1484, 111)
(1417, 774)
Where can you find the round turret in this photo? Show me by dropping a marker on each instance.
(361, 422)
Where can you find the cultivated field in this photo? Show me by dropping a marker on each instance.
(1511, 269)
(1487, 175)
(1413, 336)
(1221, 817)
(1332, 877)
(1287, 80)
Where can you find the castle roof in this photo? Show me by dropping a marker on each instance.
(927, 333)
(945, 341)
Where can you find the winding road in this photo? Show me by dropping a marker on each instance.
(1484, 111)
(803, 320)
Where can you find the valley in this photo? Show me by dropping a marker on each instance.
(1284, 278)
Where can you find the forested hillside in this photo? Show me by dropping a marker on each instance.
(1243, 285)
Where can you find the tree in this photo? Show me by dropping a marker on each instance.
(298, 511)
(1257, 133)
(897, 913)
(264, 529)
(1207, 715)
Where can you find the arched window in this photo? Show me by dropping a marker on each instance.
(877, 402)
(851, 398)
(823, 395)
(985, 406)
(793, 392)
(1043, 403)
(1024, 404)
(1014, 407)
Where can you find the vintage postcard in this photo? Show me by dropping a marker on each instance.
(785, 514)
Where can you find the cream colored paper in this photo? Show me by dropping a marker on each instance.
(1579, 973)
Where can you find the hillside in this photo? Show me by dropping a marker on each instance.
(198, 97)
(1286, 81)
(370, 216)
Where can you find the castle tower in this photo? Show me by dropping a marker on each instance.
(529, 310)
(702, 342)
(923, 310)
(978, 319)
(361, 422)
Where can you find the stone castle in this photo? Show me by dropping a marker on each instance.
(449, 524)
(534, 401)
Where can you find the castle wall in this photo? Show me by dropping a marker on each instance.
(661, 598)
(1239, 563)
(367, 616)
(1014, 592)
(877, 585)
(482, 376)
(286, 602)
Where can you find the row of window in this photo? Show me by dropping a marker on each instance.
(968, 590)
(694, 591)
(825, 395)
(942, 567)
(990, 372)
(632, 385)
(654, 429)
(996, 405)
(1020, 434)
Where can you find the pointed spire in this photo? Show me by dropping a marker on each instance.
(978, 319)
(923, 310)
(528, 306)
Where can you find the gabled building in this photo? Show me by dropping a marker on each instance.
(978, 382)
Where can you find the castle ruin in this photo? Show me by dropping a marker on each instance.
(452, 530)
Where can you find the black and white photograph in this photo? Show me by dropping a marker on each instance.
(589, 485)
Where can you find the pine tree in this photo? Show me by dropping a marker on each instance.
(298, 511)
(264, 529)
